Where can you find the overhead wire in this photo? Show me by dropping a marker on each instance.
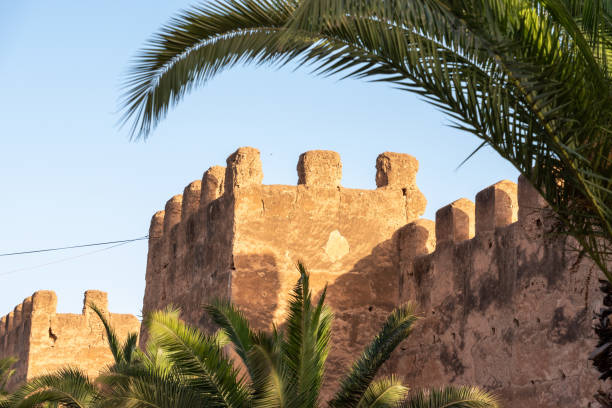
(36, 251)
(113, 244)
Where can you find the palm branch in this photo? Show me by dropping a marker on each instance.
(382, 393)
(6, 372)
(354, 387)
(68, 387)
(122, 353)
(199, 359)
(286, 368)
(451, 397)
(529, 78)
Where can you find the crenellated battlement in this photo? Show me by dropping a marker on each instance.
(497, 206)
(43, 340)
(318, 169)
(497, 291)
(14, 321)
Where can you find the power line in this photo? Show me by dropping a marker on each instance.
(36, 251)
(67, 259)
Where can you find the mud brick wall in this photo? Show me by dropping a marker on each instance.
(230, 236)
(505, 305)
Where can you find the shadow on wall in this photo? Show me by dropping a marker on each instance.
(260, 287)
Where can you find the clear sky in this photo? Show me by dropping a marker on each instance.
(69, 175)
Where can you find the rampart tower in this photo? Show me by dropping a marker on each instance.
(504, 305)
(43, 340)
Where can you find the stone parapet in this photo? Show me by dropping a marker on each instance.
(43, 340)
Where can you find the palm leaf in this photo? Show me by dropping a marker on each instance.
(270, 379)
(451, 397)
(172, 52)
(113, 340)
(68, 387)
(235, 326)
(6, 372)
(198, 358)
(354, 385)
(528, 78)
(156, 387)
(130, 345)
(306, 343)
(384, 393)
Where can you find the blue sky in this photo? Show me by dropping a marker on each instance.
(69, 175)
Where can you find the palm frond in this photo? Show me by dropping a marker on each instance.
(306, 343)
(236, 327)
(451, 397)
(384, 393)
(270, 379)
(528, 77)
(111, 336)
(155, 387)
(6, 372)
(354, 385)
(198, 358)
(186, 40)
(130, 345)
(68, 387)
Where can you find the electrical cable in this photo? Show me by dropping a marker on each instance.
(69, 258)
(36, 251)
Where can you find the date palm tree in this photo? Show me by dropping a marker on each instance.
(285, 368)
(183, 367)
(6, 372)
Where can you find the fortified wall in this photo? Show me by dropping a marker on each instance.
(504, 306)
(44, 340)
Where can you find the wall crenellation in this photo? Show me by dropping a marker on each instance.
(497, 206)
(316, 169)
(14, 330)
(504, 304)
(43, 340)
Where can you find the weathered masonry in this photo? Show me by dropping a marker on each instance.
(44, 340)
(504, 305)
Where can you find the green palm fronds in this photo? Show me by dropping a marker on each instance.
(6, 372)
(284, 368)
(531, 79)
(355, 385)
(383, 393)
(68, 387)
(122, 353)
(183, 367)
(450, 397)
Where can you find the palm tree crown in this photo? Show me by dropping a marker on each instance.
(183, 367)
(284, 368)
(530, 78)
